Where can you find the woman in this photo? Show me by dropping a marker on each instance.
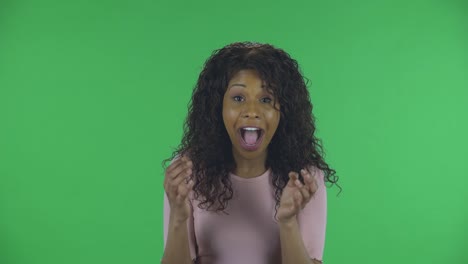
(247, 183)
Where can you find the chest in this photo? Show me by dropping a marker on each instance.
(248, 229)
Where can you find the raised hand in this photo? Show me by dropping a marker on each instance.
(296, 195)
(177, 187)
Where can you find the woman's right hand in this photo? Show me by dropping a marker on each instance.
(177, 188)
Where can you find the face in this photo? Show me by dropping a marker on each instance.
(249, 115)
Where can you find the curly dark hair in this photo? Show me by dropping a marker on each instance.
(207, 142)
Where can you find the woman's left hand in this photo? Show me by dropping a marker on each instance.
(296, 195)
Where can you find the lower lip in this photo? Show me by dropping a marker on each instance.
(247, 147)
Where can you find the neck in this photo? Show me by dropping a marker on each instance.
(249, 167)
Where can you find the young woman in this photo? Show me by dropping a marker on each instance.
(247, 183)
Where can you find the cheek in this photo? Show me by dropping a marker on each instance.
(228, 115)
(273, 120)
(229, 118)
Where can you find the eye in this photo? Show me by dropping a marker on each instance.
(238, 98)
(266, 100)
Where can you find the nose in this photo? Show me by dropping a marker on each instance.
(251, 111)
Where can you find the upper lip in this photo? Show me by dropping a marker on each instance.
(260, 131)
(250, 126)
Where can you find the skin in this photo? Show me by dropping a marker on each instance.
(177, 189)
(294, 198)
(245, 103)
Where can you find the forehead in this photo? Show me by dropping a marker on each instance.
(244, 78)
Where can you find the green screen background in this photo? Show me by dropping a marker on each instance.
(93, 95)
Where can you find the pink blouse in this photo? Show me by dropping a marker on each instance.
(250, 233)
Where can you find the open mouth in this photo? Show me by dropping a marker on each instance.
(251, 137)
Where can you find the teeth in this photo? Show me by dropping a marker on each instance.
(251, 128)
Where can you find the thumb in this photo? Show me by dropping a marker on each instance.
(292, 178)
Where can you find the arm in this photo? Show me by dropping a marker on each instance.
(177, 247)
(292, 247)
(176, 238)
(177, 222)
(303, 237)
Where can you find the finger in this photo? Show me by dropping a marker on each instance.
(297, 182)
(307, 176)
(175, 180)
(186, 166)
(174, 168)
(292, 178)
(305, 192)
(179, 192)
(305, 195)
(310, 180)
(178, 162)
(173, 183)
(184, 173)
(173, 165)
(297, 200)
(183, 170)
(180, 179)
(185, 188)
(187, 160)
(314, 185)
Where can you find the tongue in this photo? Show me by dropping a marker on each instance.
(250, 137)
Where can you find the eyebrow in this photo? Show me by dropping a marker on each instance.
(238, 84)
(243, 85)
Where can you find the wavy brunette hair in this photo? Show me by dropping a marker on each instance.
(207, 143)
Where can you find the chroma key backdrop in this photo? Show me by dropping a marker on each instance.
(93, 95)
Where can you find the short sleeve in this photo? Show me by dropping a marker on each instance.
(190, 227)
(313, 219)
